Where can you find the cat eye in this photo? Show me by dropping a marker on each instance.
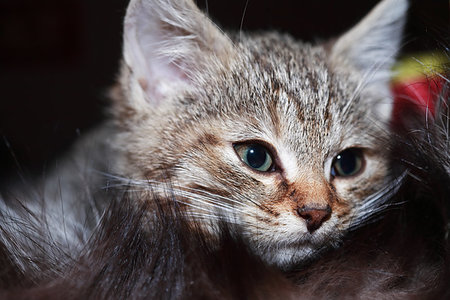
(349, 162)
(256, 156)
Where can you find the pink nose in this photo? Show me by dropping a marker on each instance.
(314, 216)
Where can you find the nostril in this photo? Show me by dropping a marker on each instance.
(314, 216)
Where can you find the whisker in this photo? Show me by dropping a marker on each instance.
(207, 196)
(242, 20)
(377, 203)
(201, 216)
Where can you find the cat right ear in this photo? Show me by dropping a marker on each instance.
(371, 46)
(368, 51)
(168, 46)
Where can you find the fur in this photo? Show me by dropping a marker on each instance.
(183, 218)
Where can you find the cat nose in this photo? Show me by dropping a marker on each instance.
(314, 216)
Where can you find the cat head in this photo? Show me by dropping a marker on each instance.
(284, 139)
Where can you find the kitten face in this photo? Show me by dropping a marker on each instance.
(281, 138)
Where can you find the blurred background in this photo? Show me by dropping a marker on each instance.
(58, 58)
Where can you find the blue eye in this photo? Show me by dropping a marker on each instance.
(255, 156)
(348, 163)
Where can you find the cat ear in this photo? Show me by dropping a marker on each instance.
(168, 45)
(371, 46)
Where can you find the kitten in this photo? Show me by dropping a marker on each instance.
(75, 240)
(285, 140)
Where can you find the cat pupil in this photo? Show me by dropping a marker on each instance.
(256, 156)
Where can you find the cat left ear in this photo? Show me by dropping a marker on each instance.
(169, 45)
(371, 46)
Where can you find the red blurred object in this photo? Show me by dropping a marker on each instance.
(419, 94)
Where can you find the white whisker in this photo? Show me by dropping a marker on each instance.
(198, 195)
(377, 203)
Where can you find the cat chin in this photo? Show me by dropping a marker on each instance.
(288, 257)
(285, 252)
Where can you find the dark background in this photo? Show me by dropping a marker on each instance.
(58, 57)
